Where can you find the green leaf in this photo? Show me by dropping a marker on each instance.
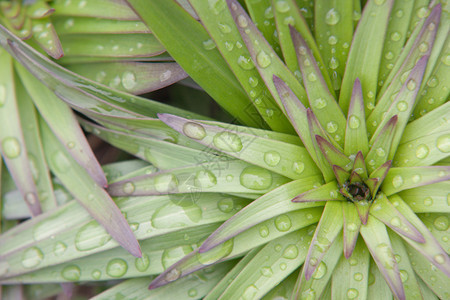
(377, 285)
(219, 177)
(227, 38)
(132, 77)
(185, 40)
(266, 60)
(334, 32)
(287, 14)
(111, 45)
(326, 192)
(321, 100)
(378, 242)
(292, 161)
(350, 277)
(316, 286)
(92, 197)
(94, 8)
(355, 133)
(352, 223)
(396, 35)
(437, 224)
(158, 253)
(272, 264)
(384, 211)
(12, 146)
(330, 225)
(82, 25)
(223, 284)
(429, 198)
(38, 165)
(333, 155)
(399, 179)
(407, 273)
(63, 124)
(261, 210)
(46, 37)
(365, 54)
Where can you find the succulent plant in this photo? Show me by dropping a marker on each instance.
(330, 181)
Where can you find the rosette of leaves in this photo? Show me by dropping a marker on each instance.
(346, 196)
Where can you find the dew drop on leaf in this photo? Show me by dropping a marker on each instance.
(116, 267)
(71, 273)
(32, 257)
(11, 147)
(291, 252)
(283, 223)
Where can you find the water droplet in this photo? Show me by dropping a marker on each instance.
(289, 21)
(205, 179)
(358, 276)
(283, 266)
(224, 28)
(266, 271)
(242, 21)
(91, 236)
(331, 127)
(213, 255)
(96, 274)
(253, 81)
(422, 12)
(312, 77)
(352, 293)
(142, 263)
(227, 141)
(291, 252)
(298, 167)
(194, 131)
(411, 85)
(173, 275)
(2, 95)
(245, 63)
(395, 221)
(166, 183)
(32, 257)
(250, 292)
(428, 201)
(128, 188)
(380, 152)
(422, 151)
(116, 267)
(217, 6)
(129, 80)
(268, 13)
(397, 181)
(59, 248)
(62, 163)
(446, 59)
(11, 147)
(272, 158)
(332, 40)
(320, 103)
(263, 59)
(333, 63)
(402, 106)
(352, 226)
(229, 178)
(225, 205)
(441, 223)
(320, 271)
(389, 55)
(443, 143)
(264, 231)
(353, 262)
(332, 17)
(229, 46)
(416, 178)
(283, 223)
(192, 292)
(71, 273)
(354, 122)
(256, 178)
(209, 44)
(396, 36)
(440, 259)
(282, 6)
(385, 255)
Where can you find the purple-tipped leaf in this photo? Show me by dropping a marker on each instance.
(333, 155)
(378, 243)
(352, 223)
(330, 225)
(359, 165)
(355, 134)
(326, 192)
(384, 211)
(379, 152)
(399, 179)
(45, 35)
(377, 177)
(431, 248)
(363, 207)
(355, 177)
(341, 175)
